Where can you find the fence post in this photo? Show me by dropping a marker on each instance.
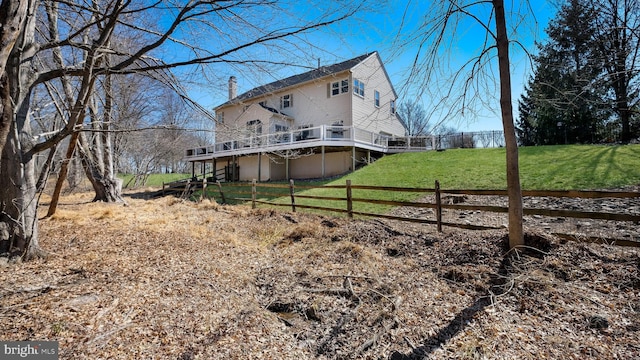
(204, 188)
(293, 199)
(349, 201)
(253, 194)
(438, 207)
(220, 190)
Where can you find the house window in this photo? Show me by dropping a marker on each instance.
(358, 87)
(339, 87)
(376, 98)
(393, 107)
(286, 101)
(220, 117)
(303, 134)
(254, 127)
(281, 128)
(335, 88)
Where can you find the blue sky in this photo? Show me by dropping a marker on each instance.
(388, 28)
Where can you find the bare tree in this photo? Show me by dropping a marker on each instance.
(415, 118)
(619, 39)
(473, 78)
(89, 54)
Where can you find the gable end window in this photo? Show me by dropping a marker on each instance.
(286, 101)
(376, 98)
(338, 87)
(358, 87)
(220, 117)
(393, 107)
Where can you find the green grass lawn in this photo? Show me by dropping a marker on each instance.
(579, 167)
(568, 167)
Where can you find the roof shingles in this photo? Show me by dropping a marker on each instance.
(298, 79)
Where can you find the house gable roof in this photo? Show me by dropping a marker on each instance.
(314, 74)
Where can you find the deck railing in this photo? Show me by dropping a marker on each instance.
(341, 135)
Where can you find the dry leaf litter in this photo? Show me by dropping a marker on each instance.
(170, 279)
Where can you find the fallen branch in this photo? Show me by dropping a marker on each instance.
(336, 291)
(395, 305)
(374, 340)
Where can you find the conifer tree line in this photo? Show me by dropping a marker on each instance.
(586, 82)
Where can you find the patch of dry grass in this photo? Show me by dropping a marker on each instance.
(167, 278)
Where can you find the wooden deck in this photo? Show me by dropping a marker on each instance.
(328, 136)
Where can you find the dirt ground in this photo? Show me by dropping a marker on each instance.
(168, 279)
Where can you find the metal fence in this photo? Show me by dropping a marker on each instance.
(477, 139)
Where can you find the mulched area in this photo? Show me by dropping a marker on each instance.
(167, 279)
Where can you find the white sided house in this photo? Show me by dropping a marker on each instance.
(321, 123)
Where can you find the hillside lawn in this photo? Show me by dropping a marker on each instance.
(560, 167)
(563, 167)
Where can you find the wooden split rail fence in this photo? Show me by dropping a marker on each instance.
(280, 192)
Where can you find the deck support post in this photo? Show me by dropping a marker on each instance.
(323, 161)
(233, 168)
(259, 166)
(353, 158)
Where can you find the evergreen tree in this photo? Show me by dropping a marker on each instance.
(565, 101)
(525, 125)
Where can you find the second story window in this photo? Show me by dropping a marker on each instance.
(393, 107)
(335, 88)
(286, 101)
(339, 87)
(376, 98)
(358, 87)
(220, 116)
(344, 86)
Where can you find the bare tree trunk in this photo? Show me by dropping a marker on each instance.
(46, 170)
(107, 188)
(77, 116)
(12, 18)
(516, 234)
(96, 154)
(18, 201)
(75, 173)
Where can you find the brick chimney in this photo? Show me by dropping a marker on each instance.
(233, 88)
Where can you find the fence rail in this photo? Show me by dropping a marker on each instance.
(284, 191)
